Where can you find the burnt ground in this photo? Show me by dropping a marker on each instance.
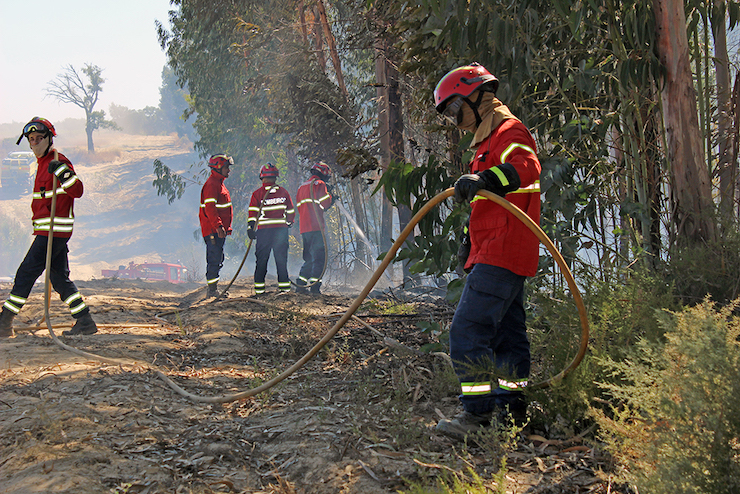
(357, 418)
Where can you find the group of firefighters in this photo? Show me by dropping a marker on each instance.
(488, 338)
(271, 214)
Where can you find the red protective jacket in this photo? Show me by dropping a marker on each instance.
(312, 200)
(497, 237)
(277, 209)
(67, 192)
(215, 205)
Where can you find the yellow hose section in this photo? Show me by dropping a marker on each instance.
(534, 227)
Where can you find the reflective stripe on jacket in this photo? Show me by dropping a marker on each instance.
(312, 199)
(497, 237)
(277, 210)
(67, 192)
(215, 205)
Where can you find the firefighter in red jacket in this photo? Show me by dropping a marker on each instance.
(488, 335)
(40, 133)
(313, 198)
(271, 213)
(215, 218)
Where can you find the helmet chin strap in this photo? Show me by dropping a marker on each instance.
(475, 106)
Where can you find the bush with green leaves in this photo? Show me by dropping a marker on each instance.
(674, 421)
(620, 315)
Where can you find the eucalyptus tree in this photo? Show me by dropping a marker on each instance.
(593, 83)
(82, 88)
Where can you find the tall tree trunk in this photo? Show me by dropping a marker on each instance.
(726, 165)
(386, 223)
(355, 192)
(396, 145)
(691, 195)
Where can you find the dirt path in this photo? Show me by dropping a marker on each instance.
(357, 419)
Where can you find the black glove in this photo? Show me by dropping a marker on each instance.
(501, 181)
(251, 233)
(61, 170)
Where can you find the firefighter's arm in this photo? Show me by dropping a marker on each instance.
(68, 179)
(500, 179)
(210, 199)
(323, 196)
(289, 211)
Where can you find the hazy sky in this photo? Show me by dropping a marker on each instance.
(40, 38)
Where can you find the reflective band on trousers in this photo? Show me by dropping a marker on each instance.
(484, 388)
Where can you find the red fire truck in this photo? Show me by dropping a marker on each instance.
(174, 273)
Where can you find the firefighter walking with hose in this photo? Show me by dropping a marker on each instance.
(40, 133)
(488, 335)
(215, 216)
(271, 214)
(313, 198)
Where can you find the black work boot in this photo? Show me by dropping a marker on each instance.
(300, 286)
(462, 424)
(6, 324)
(316, 288)
(212, 290)
(84, 325)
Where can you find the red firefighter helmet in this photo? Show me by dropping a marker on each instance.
(37, 124)
(218, 161)
(269, 170)
(461, 82)
(321, 169)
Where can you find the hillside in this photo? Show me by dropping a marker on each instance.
(120, 218)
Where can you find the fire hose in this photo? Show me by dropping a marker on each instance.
(518, 213)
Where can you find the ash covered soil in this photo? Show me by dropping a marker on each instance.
(357, 418)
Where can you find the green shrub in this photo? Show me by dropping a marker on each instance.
(620, 314)
(674, 423)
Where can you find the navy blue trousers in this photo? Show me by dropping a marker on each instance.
(273, 240)
(214, 257)
(314, 253)
(33, 266)
(488, 340)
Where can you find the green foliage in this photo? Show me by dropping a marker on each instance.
(460, 483)
(434, 250)
(712, 269)
(167, 183)
(620, 314)
(675, 419)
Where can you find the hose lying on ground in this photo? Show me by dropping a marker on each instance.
(518, 213)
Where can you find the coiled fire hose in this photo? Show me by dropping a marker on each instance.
(518, 213)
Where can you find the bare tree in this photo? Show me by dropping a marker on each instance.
(69, 87)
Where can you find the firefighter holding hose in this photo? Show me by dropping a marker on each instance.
(488, 335)
(51, 163)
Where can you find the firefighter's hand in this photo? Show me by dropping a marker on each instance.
(221, 231)
(467, 186)
(61, 170)
(251, 233)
